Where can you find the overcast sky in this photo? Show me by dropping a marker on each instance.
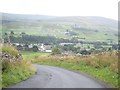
(104, 8)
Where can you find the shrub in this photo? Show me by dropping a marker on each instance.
(35, 48)
(56, 51)
(85, 52)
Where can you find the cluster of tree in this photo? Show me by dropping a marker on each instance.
(26, 48)
(25, 38)
(32, 39)
(86, 51)
(59, 50)
(70, 48)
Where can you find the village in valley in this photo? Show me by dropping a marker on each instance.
(59, 44)
(69, 47)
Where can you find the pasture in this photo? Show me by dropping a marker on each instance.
(28, 55)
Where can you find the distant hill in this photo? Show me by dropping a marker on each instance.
(91, 28)
(19, 17)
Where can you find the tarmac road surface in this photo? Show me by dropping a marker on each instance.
(54, 77)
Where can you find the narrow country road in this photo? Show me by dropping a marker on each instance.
(54, 77)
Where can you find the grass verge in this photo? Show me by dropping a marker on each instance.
(103, 67)
(16, 72)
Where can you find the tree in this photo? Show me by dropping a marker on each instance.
(96, 46)
(104, 49)
(19, 47)
(88, 47)
(35, 48)
(6, 34)
(26, 47)
(110, 49)
(92, 50)
(85, 52)
(12, 33)
(67, 30)
(6, 38)
(56, 51)
(114, 47)
(22, 33)
(12, 38)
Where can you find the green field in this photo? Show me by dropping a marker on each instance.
(59, 32)
(28, 55)
(91, 28)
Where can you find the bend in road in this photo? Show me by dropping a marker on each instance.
(54, 77)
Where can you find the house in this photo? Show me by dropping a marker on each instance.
(77, 26)
(63, 44)
(30, 46)
(49, 51)
(48, 47)
(41, 47)
(45, 48)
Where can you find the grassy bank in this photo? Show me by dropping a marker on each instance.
(17, 70)
(103, 67)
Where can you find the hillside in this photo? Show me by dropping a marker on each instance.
(84, 28)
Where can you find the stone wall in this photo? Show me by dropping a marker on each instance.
(7, 57)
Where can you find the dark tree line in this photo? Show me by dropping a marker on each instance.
(25, 38)
(26, 48)
(32, 39)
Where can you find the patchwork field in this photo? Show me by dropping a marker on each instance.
(90, 28)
